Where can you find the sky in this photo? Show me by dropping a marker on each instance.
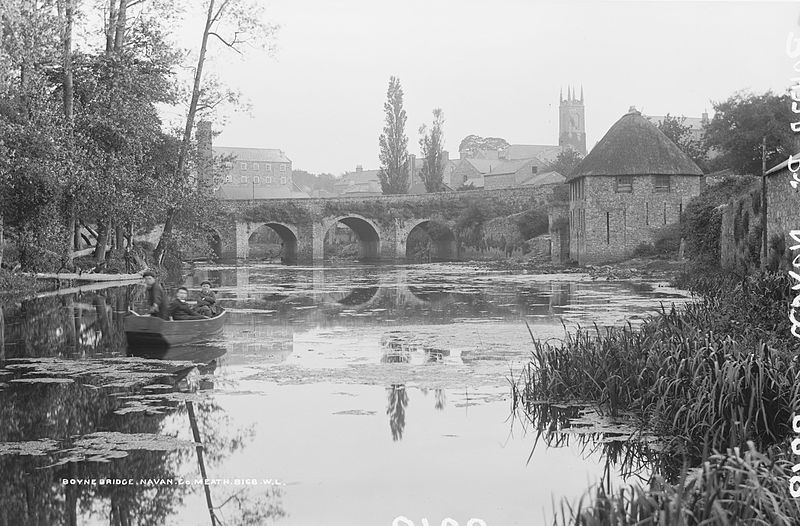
(494, 68)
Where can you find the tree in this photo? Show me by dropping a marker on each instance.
(676, 129)
(431, 146)
(234, 23)
(393, 143)
(565, 162)
(471, 143)
(742, 122)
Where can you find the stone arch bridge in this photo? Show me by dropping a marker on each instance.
(382, 224)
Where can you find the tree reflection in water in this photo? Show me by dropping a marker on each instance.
(398, 401)
(89, 326)
(441, 399)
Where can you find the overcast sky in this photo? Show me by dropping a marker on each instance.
(495, 68)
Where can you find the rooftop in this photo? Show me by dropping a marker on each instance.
(635, 146)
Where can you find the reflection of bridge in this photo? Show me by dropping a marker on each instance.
(382, 224)
(371, 292)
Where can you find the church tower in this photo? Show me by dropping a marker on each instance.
(571, 121)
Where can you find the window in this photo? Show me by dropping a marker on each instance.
(534, 169)
(268, 179)
(665, 212)
(256, 179)
(268, 167)
(255, 166)
(624, 184)
(283, 180)
(244, 179)
(661, 183)
(608, 228)
(229, 178)
(283, 168)
(243, 166)
(647, 213)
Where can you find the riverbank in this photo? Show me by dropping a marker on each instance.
(716, 380)
(652, 268)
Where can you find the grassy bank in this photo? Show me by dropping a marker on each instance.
(718, 379)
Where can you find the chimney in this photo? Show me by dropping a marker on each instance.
(445, 156)
(204, 135)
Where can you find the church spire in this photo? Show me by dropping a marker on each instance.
(581, 92)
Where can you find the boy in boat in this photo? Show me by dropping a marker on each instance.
(156, 297)
(206, 305)
(180, 310)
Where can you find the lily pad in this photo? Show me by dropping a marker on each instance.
(31, 448)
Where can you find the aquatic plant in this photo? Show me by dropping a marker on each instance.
(734, 487)
(717, 375)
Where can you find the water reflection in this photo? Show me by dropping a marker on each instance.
(379, 335)
(396, 409)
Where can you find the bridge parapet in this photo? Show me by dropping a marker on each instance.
(382, 223)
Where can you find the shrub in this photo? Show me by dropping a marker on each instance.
(644, 250)
(668, 239)
(532, 223)
(703, 219)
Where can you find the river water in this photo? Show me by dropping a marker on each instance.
(337, 395)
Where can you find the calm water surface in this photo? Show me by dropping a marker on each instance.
(350, 395)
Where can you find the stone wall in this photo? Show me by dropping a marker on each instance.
(740, 232)
(607, 226)
(783, 212)
(740, 235)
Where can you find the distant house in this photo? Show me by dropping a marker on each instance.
(256, 173)
(250, 173)
(366, 182)
(495, 173)
(633, 182)
(360, 182)
(525, 172)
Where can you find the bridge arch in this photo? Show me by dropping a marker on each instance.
(443, 246)
(367, 231)
(285, 231)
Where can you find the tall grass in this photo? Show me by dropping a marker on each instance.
(727, 488)
(719, 372)
(720, 375)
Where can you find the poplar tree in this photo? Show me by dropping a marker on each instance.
(431, 144)
(393, 143)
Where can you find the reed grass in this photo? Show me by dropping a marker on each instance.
(717, 377)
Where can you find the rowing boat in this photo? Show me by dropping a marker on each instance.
(152, 330)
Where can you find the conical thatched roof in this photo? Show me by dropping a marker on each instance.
(634, 146)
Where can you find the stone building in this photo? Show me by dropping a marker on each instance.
(249, 173)
(634, 182)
